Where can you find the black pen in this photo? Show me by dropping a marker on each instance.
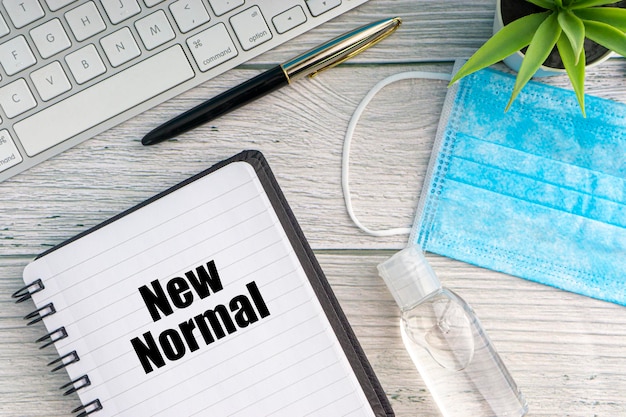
(308, 64)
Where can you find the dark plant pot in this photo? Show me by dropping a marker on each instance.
(510, 10)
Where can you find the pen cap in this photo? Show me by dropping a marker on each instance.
(409, 277)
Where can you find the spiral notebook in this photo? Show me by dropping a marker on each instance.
(205, 300)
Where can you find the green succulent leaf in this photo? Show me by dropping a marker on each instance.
(575, 67)
(574, 30)
(612, 16)
(545, 4)
(510, 39)
(606, 35)
(559, 3)
(540, 47)
(583, 4)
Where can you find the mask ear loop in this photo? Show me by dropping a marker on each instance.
(345, 160)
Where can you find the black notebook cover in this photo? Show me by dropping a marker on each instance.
(203, 300)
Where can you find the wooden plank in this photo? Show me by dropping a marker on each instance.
(301, 139)
(565, 351)
(431, 31)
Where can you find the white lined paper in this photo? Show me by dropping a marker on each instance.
(289, 363)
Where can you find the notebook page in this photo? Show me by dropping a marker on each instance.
(197, 305)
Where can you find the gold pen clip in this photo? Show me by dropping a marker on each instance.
(340, 49)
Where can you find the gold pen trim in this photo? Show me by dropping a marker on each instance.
(338, 50)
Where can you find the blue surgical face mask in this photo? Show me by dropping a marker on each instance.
(537, 192)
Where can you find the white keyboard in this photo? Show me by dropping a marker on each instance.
(73, 68)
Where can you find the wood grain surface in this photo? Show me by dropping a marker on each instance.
(566, 352)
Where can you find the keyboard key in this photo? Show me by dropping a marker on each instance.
(85, 21)
(50, 81)
(103, 100)
(59, 55)
(120, 10)
(189, 14)
(50, 38)
(155, 30)
(55, 5)
(289, 19)
(4, 29)
(85, 64)
(250, 28)
(23, 12)
(120, 47)
(221, 7)
(212, 47)
(318, 7)
(16, 98)
(15, 55)
(9, 155)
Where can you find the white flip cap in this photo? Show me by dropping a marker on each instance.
(409, 277)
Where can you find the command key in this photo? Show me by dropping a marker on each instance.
(9, 155)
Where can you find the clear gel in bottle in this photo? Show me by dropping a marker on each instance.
(447, 343)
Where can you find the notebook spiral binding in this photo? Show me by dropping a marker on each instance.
(38, 315)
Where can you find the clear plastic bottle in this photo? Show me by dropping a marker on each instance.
(447, 343)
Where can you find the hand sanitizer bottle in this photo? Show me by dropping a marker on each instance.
(447, 343)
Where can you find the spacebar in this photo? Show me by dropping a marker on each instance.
(103, 101)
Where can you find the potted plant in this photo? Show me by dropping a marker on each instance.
(551, 36)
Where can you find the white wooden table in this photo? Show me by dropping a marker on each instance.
(566, 352)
